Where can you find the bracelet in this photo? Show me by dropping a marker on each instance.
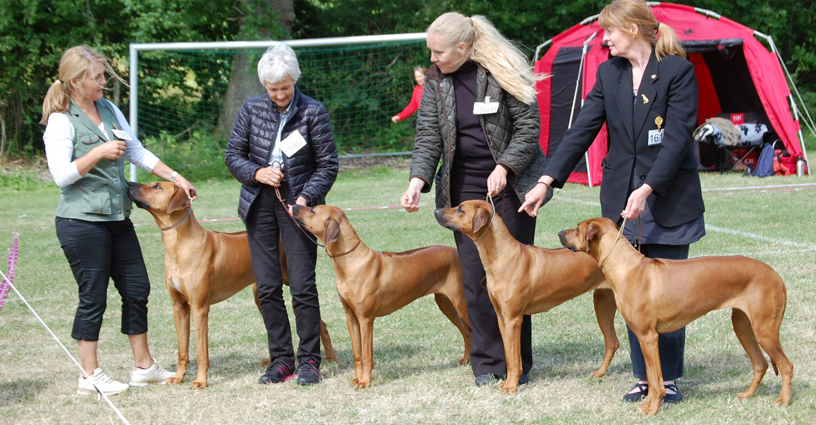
(545, 184)
(173, 177)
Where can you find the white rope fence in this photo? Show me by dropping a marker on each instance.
(7, 282)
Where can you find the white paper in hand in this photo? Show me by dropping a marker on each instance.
(293, 143)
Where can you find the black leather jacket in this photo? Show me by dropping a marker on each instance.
(311, 171)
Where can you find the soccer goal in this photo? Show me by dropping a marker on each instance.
(180, 88)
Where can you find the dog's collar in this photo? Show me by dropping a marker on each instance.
(183, 219)
(606, 260)
(488, 198)
(340, 255)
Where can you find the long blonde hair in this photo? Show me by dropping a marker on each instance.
(76, 64)
(489, 48)
(623, 13)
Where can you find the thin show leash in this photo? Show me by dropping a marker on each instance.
(309, 235)
(183, 219)
(623, 225)
(488, 198)
(487, 229)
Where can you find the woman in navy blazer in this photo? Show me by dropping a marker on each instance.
(647, 96)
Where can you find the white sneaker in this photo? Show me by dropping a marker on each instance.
(153, 375)
(106, 384)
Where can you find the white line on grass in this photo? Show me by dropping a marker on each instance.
(775, 186)
(774, 241)
(756, 254)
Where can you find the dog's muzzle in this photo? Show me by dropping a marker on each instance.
(131, 187)
(562, 236)
(439, 213)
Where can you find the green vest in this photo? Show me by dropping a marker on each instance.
(101, 195)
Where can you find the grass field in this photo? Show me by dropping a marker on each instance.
(416, 379)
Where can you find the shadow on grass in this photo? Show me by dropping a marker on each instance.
(20, 390)
(237, 364)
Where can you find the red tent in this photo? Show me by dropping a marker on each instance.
(735, 73)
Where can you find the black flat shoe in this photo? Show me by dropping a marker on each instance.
(524, 379)
(486, 378)
(642, 391)
(673, 398)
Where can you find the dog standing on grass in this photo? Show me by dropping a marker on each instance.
(660, 296)
(525, 279)
(376, 283)
(201, 268)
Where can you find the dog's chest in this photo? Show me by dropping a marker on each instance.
(174, 283)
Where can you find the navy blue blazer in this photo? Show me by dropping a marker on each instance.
(667, 90)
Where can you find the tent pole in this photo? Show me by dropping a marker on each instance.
(575, 99)
(538, 49)
(809, 121)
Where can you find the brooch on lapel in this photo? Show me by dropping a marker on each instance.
(645, 99)
(659, 122)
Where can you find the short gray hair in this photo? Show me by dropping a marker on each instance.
(278, 62)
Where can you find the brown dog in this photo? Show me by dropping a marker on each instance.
(660, 296)
(374, 283)
(525, 279)
(201, 268)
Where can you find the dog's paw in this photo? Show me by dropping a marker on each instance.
(463, 361)
(361, 385)
(508, 388)
(780, 402)
(744, 395)
(332, 359)
(176, 380)
(647, 408)
(597, 374)
(197, 385)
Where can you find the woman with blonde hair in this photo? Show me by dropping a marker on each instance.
(479, 115)
(86, 142)
(647, 96)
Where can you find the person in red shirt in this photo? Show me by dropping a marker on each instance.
(419, 76)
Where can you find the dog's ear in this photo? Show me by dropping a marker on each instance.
(591, 232)
(332, 231)
(480, 219)
(178, 201)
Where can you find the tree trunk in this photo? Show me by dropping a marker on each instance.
(2, 138)
(244, 81)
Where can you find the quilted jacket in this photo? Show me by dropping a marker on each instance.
(311, 171)
(512, 134)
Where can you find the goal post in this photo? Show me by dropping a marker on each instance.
(362, 80)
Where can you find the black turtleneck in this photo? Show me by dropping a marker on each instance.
(473, 162)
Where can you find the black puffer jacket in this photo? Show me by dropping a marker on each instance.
(311, 171)
(512, 134)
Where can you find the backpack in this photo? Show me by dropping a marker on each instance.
(765, 163)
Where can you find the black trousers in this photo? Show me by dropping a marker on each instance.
(267, 219)
(97, 252)
(672, 345)
(486, 347)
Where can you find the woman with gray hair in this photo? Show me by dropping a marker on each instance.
(283, 140)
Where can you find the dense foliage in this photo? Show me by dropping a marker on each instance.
(33, 34)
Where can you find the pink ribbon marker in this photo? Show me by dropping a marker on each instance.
(12, 262)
